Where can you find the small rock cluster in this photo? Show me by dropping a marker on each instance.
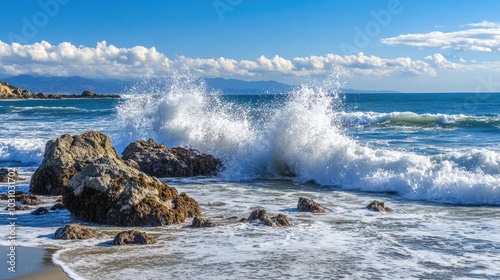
(10, 92)
(97, 185)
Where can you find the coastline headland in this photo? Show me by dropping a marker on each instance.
(11, 92)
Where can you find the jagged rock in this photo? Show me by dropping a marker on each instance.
(378, 206)
(244, 220)
(66, 156)
(40, 211)
(281, 220)
(158, 160)
(308, 205)
(74, 231)
(10, 92)
(260, 216)
(19, 207)
(200, 222)
(57, 206)
(9, 176)
(108, 191)
(133, 237)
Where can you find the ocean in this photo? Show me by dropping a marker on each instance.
(433, 158)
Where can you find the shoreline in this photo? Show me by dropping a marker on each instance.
(33, 263)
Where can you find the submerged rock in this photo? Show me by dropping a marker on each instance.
(260, 216)
(66, 156)
(158, 160)
(200, 222)
(111, 192)
(10, 92)
(40, 211)
(57, 206)
(74, 231)
(133, 237)
(9, 176)
(378, 206)
(309, 205)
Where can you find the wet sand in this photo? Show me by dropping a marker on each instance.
(31, 263)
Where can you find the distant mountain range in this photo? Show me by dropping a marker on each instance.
(71, 85)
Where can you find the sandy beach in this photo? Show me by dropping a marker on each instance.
(32, 263)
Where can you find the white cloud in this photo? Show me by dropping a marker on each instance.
(480, 37)
(439, 61)
(108, 61)
(484, 23)
(66, 59)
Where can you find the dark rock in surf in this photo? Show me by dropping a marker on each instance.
(9, 176)
(66, 156)
(74, 231)
(200, 222)
(378, 206)
(309, 205)
(110, 192)
(57, 206)
(10, 92)
(158, 160)
(281, 220)
(40, 211)
(133, 237)
(260, 216)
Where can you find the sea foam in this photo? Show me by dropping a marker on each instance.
(304, 137)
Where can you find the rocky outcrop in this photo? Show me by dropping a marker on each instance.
(378, 206)
(133, 237)
(66, 156)
(281, 220)
(200, 222)
(74, 231)
(158, 160)
(260, 216)
(10, 92)
(9, 176)
(111, 192)
(5, 90)
(309, 205)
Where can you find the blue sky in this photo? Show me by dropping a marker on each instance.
(405, 45)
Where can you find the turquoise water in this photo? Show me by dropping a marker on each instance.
(433, 158)
(387, 134)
